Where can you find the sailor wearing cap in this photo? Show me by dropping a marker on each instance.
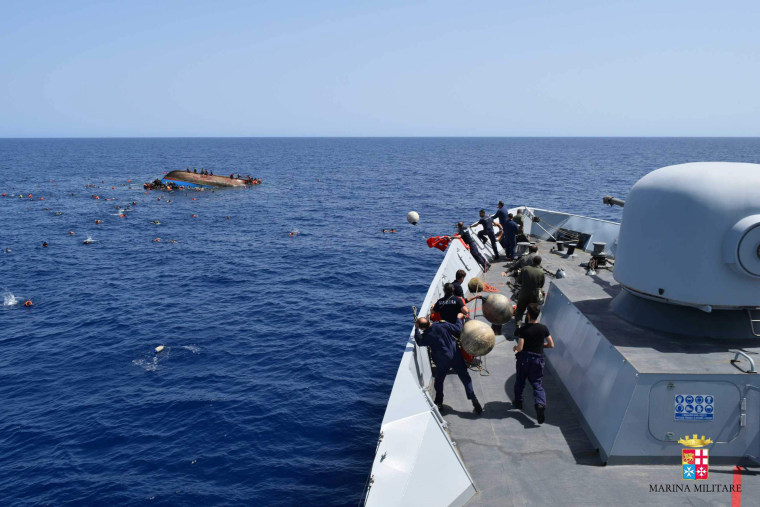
(439, 336)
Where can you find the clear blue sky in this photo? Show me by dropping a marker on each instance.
(385, 68)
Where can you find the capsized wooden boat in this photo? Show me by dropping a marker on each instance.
(188, 179)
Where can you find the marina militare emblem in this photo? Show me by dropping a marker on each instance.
(694, 459)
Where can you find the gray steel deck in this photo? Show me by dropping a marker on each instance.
(515, 461)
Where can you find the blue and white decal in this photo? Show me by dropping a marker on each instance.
(694, 407)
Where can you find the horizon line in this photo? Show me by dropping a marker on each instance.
(384, 137)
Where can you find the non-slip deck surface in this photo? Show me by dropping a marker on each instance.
(515, 461)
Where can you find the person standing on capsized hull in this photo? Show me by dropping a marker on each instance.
(439, 336)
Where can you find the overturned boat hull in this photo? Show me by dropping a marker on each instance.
(195, 180)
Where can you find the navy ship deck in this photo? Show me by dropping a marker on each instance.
(515, 461)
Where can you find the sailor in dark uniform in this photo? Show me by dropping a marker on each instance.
(450, 305)
(458, 291)
(509, 236)
(501, 213)
(487, 231)
(529, 352)
(444, 350)
(464, 233)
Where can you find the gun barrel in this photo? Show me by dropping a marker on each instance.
(613, 201)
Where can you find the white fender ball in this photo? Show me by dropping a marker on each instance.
(497, 309)
(477, 338)
(413, 217)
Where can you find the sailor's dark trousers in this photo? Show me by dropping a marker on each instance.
(523, 300)
(530, 366)
(476, 255)
(442, 366)
(508, 243)
(482, 235)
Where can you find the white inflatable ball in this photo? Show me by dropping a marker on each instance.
(413, 217)
(477, 338)
(497, 309)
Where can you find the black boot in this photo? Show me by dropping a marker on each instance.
(517, 405)
(540, 413)
(476, 406)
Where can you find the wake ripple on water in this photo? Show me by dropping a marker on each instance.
(9, 299)
(152, 362)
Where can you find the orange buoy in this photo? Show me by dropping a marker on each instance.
(122, 215)
(98, 221)
(194, 199)
(157, 240)
(42, 198)
(30, 196)
(3, 194)
(195, 216)
(28, 302)
(113, 188)
(134, 203)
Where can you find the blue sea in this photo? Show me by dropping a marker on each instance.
(280, 351)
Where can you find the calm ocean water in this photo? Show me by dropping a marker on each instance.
(280, 351)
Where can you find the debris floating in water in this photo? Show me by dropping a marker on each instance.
(159, 349)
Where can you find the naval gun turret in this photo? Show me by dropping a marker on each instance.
(689, 250)
(664, 347)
